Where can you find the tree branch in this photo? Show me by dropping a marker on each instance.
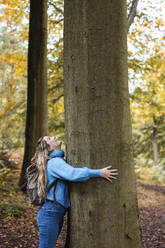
(132, 13)
(55, 87)
(56, 99)
(57, 21)
(56, 8)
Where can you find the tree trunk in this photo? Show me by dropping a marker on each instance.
(36, 118)
(132, 13)
(98, 124)
(155, 143)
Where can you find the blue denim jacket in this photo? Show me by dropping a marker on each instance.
(57, 167)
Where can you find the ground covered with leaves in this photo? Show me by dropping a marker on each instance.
(18, 224)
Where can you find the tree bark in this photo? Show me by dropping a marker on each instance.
(98, 124)
(36, 118)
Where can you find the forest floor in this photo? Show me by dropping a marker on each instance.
(18, 224)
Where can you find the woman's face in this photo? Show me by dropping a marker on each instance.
(54, 143)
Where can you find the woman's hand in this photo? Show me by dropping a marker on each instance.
(109, 173)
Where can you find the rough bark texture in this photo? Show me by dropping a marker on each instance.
(36, 119)
(98, 125)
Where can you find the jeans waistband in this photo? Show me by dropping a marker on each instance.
(47, 200)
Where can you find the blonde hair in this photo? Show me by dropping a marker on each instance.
(40, 158)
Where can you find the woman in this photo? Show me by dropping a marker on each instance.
(50, 214)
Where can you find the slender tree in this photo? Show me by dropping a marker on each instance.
(98, 124)
(36, 118)
(155, 142)
(132, 13)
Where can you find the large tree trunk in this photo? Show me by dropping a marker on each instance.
(36, 119)
(98, 124)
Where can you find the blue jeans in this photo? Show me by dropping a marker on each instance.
(50, 220)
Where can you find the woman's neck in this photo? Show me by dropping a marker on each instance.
(57, 150)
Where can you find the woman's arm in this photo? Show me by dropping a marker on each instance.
(61, 169)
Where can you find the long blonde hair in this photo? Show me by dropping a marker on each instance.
(40, 158)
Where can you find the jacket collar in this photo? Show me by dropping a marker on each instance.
(57, 154)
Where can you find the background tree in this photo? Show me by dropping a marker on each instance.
(36, 118)
(132, 12)
(13, 75)
(146, 73)
(148, 117)
(98, 124)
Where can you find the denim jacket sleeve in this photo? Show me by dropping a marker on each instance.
(61, 169)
